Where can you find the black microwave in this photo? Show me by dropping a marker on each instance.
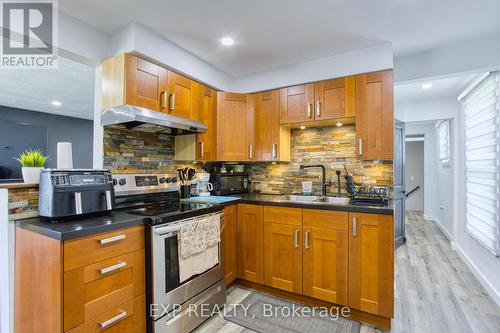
(229, 183)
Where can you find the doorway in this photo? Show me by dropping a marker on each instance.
(415, 173)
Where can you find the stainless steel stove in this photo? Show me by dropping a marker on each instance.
(155, 197)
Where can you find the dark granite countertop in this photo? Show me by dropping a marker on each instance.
(80, 227)
(268, 199)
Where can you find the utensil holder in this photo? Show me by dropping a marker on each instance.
(185, 191)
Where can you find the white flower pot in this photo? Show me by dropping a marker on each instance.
(31, 175)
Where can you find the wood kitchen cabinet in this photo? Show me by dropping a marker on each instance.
(229, 244)
(375, 115)
(86, 282)
(206, 113)
(371, 263)
(235, 127)
(181, 96)
(128, 79)
(272, 142)
(283, 248)
(325, 268)
(318, 102)
(250, 228)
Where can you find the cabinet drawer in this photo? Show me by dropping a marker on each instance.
(89, 250)
(326, 219)
(283, 215)
(128, 317)
(94, 289)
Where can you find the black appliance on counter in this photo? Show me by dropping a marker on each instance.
(229, 183)
(65, 193)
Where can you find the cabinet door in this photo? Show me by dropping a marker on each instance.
(229, 244)
(267, 126)
(235, 127)
(325, 264)
(145, 84)
(335, 98)
(371, 263)
(250, 243)
(296, 104)
(375, 115)
(283, 256)
(181, 95)
(206, 113)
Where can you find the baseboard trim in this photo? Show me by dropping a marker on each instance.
(495, 294)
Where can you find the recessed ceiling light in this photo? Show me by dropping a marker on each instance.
(426, 86)
(56, 103)
(228, 41)
(302, 127)
(339, 124)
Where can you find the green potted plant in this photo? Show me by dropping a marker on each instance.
(32, 162)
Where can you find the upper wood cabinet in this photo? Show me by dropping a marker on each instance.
(229, 244)
(296, 104)
(128, 79)
(235, 127)
(181, 95)
(375, 115)
(250, 228)
(335, 98)
(324, 100)
(272, 142)
(371, 263)
(206, 113)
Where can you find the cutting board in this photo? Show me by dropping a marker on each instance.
(211, 199)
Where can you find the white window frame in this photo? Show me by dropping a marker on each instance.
(491, 240)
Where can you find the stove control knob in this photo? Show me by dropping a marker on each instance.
(163, 180)
(122, 181)
(174, 179)
(169, 179)
(115, 182)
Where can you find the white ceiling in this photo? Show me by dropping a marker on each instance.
(71, 83)
(446, 87)
(275, 33)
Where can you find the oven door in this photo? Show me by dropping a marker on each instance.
(167, 290)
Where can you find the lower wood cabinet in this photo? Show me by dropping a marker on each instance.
(371, 263)
(283, 256)
(250, 228)
(229, 244)
(325, 255)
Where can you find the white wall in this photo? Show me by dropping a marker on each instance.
(414, 174)
(426, 110)
(356, 62)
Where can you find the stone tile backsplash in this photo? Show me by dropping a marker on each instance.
(23, 203)
(127, 151)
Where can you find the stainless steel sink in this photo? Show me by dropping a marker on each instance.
(313, 200)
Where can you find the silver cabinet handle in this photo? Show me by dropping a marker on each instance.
(309, 112)
(360, 146)
(112, 268)
(306, 240)
(318, 108)
(113, 320)
(164, 99)
(274, 151)
(78, 203)
(354, 226)
(112, 239)
(296, 239)
(172, 102)
(109, 203)
(251, 152)
(202, 149)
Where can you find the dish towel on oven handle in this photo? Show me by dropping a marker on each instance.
(198, 246)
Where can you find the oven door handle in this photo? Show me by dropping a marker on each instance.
(167, 230)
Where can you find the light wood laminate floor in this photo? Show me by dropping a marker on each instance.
(435, 290)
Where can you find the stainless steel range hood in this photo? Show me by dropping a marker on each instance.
(140, 119)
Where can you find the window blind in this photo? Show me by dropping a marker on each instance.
(482, 166)
(443, 127)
